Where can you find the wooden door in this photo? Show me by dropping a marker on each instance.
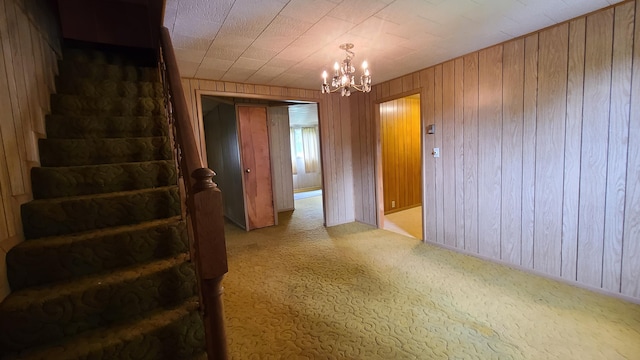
(255, 157)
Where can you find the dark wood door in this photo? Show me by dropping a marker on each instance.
(256, 164)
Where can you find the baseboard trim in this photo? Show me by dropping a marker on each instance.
(600, 291)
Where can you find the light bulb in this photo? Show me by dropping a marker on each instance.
(365, 65)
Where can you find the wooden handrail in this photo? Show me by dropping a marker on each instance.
(204, 206)
(184, 130)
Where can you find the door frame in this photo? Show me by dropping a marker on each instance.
(197, 111)
(378, 163)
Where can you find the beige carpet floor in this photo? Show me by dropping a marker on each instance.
(406, 222)
(303, 291)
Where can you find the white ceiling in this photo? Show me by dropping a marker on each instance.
(290, 43)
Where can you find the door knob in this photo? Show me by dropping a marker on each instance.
(247, 170)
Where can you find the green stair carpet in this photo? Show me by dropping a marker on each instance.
(105, 270)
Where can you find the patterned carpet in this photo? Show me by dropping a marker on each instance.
(302, 291)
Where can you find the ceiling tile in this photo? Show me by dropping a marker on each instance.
(186, 42)
(211, 63)
(246, 63)
(307, 10)
(253, 52)
(196, 28)
(213, 74)
(356, 11)
(213, 11)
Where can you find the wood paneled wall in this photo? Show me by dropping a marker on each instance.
(335, 135)
(400, 143)
(540, 150)
(28, 64)
(281, 158)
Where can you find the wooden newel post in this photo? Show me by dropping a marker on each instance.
(208, 224)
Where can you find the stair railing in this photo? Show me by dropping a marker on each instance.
(203, 204)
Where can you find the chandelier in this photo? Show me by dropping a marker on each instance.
(343, 77)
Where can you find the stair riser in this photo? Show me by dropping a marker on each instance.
(102, 305)
(35, 266)
(182, 338)
(59, 152)
(66, 216)
(72, 105)
(68, 127)
(102, 56)
(54, 182)
(108, 88)
(108, 72)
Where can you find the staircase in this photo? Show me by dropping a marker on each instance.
(104, 272)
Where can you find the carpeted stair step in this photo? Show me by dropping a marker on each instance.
(79, 105)
(47, 314)
(108, 71)
(61, 216)
(174, 334)
(91, 127)
(53, 259)
(104, 56)
(108, 88)
(77, 152)
(53, 182)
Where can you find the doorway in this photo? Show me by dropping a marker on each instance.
(304, 140)
(401, 166)
(234, 157)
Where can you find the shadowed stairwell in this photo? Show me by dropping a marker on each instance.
(104, 272)
(303, 291)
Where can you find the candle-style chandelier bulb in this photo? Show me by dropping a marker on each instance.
(343, 79)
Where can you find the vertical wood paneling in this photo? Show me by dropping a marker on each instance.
(28, 74)
(6, 216)
(400, 139)
(631, 244)
(618, 142)
(447, 154)
(346, 179)
(437, 109)
(13, 126)
(328, 147)
(512, 103)
(572, 153)
(595, 130)
(529, 148)
(471, 152)
(489, 150)
(281, 157)
(552, 94)
(429, 175)
(358, 155)
(415, 170)
(459, 151)
(370, 150)
(27, 66)
(43, 87)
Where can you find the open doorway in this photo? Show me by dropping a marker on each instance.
(401, 166)
(226, 154)
(304, 140)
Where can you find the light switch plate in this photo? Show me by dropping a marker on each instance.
(436, 152)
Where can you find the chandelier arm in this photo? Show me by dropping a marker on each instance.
(344, 78)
